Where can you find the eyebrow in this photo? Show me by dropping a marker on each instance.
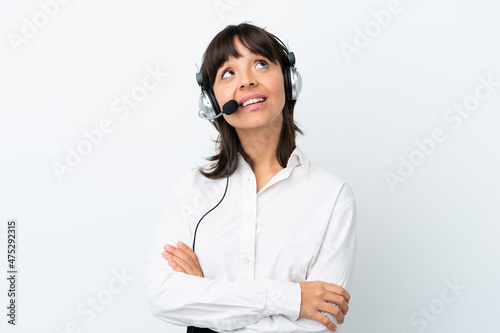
(257, 55)
(225, 63)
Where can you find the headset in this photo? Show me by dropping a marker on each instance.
(210, 109)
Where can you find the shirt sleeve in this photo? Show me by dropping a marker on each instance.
(334, 264)
(218, 304)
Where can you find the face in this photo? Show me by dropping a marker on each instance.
(257, 85)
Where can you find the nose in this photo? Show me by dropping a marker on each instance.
(247, 79)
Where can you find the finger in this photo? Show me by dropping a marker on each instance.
(176, 267)
(337, 290)
(186, 266)
(184, 260)
(170, 248)
(339, 300)
(334, 310)
(178, 263)
(177, 252)
(325, 321)
(190, 253)
(190, 258)
(173, 264)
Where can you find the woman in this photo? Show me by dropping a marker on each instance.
(277, 254)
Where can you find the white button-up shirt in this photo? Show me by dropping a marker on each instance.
(254, 249)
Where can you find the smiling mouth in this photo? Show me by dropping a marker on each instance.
(253, 101)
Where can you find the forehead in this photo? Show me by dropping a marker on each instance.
(237, 50)
(245, 46)
(243, 53)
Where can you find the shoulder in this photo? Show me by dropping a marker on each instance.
(193, 185)
(188, 179)
(330, 181)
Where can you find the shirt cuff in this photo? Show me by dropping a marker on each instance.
(283, 297)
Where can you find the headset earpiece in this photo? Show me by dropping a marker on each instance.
(293, 80)
(209, 107)
(295, 83)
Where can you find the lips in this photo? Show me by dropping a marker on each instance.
(251, 99)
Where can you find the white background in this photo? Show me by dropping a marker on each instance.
(361, 115)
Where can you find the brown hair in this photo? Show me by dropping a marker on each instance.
(261, 42)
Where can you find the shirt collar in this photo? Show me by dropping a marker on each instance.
(296, 158)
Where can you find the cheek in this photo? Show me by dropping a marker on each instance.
(279, 94)
(218, 98)
(279, 90)
(219, 94)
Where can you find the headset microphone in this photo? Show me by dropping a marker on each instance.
(230, 107)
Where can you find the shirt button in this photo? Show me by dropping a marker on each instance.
(250, 216)
(246, 261)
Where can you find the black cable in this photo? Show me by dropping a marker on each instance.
(227, 180)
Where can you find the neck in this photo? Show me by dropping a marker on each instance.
(261, 145)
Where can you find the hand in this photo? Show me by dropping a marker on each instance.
(315, 296)
(182, 259)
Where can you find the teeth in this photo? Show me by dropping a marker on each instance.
(252, 101)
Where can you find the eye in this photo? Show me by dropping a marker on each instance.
(227, 73)
(262, 64)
